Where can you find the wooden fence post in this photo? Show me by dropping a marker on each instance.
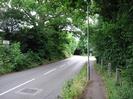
(109, 69)
(117, 76)
(101, 64)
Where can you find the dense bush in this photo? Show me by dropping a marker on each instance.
(12, 59)
(5, 61)
(113, 36)
(112, 39)
(17, 57)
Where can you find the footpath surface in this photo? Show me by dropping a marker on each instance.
(95, 89)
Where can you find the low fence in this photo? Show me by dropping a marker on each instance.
(117, 72)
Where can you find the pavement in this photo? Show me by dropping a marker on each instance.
(96, 88)
(43, 82)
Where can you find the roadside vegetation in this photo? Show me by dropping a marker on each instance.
(75, 87)
(112, 40)
(12, 59)
(37, 31)
(114, 91)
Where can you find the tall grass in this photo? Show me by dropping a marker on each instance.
(123, 91)
(74, 88)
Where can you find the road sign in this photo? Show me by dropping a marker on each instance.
(6, 42)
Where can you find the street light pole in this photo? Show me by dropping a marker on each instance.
(88, 48)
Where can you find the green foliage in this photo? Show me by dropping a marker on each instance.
(111, 46)
(82, 45)
(112, 37)
(124, 91)
(5, 61)
(74, 88)
(128, 73)
(12, 59)
(39, 27)
(31, 56)
(70, 46)
(46, 36)
(16, 56)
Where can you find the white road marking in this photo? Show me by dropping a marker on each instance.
(49, 71)
(16, 87)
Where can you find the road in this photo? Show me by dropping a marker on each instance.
(44, 82)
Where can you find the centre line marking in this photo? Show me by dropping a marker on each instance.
(16, 87)
(49, 71)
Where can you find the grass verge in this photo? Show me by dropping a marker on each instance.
(75, 87)
(123, 91)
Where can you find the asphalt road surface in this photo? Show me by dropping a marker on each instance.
(44, 82)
